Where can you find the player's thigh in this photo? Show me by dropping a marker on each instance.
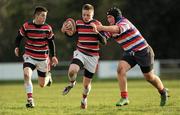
(41, 78)
(127, 61)
(91, 63)
(28, 69)
(145, 58)
(42, 67)
(28, 66)
(77, 62)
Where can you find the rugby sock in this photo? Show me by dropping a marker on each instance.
(72, 83)
(29, 89)
(84, 98)
(29, 95)
(87, 90)
(124, 94)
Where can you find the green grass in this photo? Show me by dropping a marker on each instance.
(144, 99)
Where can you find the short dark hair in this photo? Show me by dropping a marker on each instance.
(87, 7)
(40, 9)
(115, 12)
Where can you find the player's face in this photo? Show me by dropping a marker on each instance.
(111, 19)
(87, 15)
(40, 18)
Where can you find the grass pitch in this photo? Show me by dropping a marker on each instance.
(144, 99)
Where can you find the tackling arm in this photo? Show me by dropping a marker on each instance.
(112, 29)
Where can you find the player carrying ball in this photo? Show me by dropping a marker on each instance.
(86, 54)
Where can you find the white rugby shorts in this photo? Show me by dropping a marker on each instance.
(42, 66)
(90, 62)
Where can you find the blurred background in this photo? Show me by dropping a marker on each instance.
(157, 20)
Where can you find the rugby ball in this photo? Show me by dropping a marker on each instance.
(71, 24)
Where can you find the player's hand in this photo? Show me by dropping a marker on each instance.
(94, 27)
(99, 27)
(54, 61)
(16, 51)
(66, 27)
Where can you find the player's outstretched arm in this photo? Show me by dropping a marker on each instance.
(101, 36)
(17, 44)
(52, 48)
(112, 29)
(54, 61)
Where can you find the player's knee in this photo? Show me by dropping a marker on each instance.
(121, 71)
(26, 76)
(149, 76)
(72, 73)
(87, 89)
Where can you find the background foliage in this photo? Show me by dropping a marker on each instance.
(157, 21)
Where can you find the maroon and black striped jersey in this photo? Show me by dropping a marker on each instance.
(88, 41)
(36, 44)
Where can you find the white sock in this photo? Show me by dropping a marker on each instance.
(28, 86)
(87, 90)
(84, 100)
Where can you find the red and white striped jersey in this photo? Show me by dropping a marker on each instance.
(129, 37)
(88, 42)
(36, 45)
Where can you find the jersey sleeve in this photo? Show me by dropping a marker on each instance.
(97, 23)
(50, 33)
(123, 26)
(22, 30)
(102, 36)
(52, 47)
(105, 34)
